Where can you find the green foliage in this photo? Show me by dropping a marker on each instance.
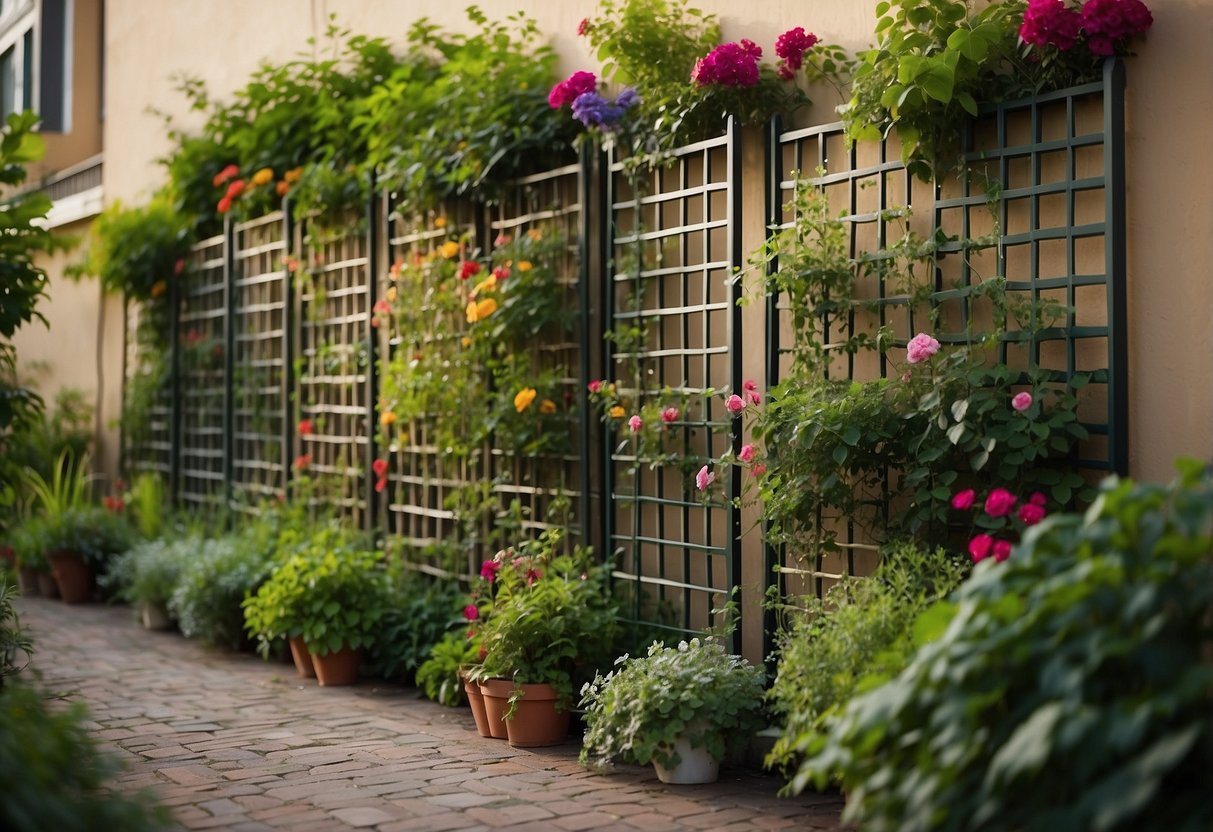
(438, 676)
(150, 571)
(1068, 688)
(861, 630)
(15, 646)
(22, 281)
(465, 113)
(92, 532)
(696, 690)
(332, 596)
(552, 617)
(219, 574)
(148, 503)
(417, 615)
(66, 489)
(935, 63)
(55, 776)
(136, 251)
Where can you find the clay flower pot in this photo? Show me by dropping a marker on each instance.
(303, 659)
(340, 668)
(73, 575)
(536, 720)
(27, 581)
(476, 701)
(496, 693)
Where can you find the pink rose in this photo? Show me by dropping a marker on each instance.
(594, 386)
(734, 404)
(963, 500)
(750, 388)
(979, 547)
(1031, 514)
(1021, 401)
(1000, 502)
(471, 612)
(746, 454)
(635, 423)
(758, 470)
(921, 347)
(1002, 550)
(488, 570)
(379, 466)
(670, 414)
(1038, 499)
(704, 478)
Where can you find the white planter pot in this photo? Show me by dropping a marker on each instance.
(696, 766)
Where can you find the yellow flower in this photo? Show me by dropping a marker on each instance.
(440, 222)
(547, 406)
(467, 342)
(387, 418)
(524, 398)
(449, 249)
(524, 266)
(535, 234)
(479, 310)
(293, 175)
(263, 176)
(616, 412)
(390, 294)
(486, 285)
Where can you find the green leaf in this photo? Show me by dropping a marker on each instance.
(956, 433)
(966, 100)
(840, 454)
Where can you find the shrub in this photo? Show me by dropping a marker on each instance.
(1068, 688)
(213, 585)
(15, 646)
(860, 629)
(438, 676)
(416, 617)
(150, 571)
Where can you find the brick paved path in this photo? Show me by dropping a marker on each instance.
(231, 742)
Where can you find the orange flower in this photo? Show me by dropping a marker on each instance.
(616, 412)
(225, 205)
(467, 342)
(390, 294)
(486, 285)
(479, 310)
(225, 174)
(547, 406)
(524, 398)
(159, 288)
(440, 222)
(263, 176)
(387, 418)
(449, 249)
(292, 176)
(535, 234)
(524, 266)
(282, 187)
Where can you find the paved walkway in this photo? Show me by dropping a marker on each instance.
(231, 742)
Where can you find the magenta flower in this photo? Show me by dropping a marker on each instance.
(746, 454)
(734, 404)
(1021, 401)
(963, 500)
(1000, 502)
(1108, 23)
(1030, 514)
(1002, 550)
(1038, 499)
(1050, 23)
(704, 478)
(533, 575)
(594, 386)
(758, 470)
(750, 388)
(921, 347)
(635, 423)
(379, 466)
(670, 414)
(583, 26)
(488, 570)
(471, 612)
(729, 65)
(979, 547)
(566, 92)
(790, 47)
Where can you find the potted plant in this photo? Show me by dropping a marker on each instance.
(679, 708)
(552, 619)
(77, 544)
(146, 577)
(327, 602)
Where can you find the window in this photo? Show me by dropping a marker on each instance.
(35, 60)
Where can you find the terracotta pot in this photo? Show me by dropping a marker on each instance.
(48, 587)
(536, 721)
(340, 668)
(476, 701)
(154, 616)
(27, 582)
(496, 693)
(73, 575)
(303, 659)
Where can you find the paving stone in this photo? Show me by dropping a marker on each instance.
(361, 816)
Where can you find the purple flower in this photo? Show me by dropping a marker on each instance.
(592, 110)
(627, 99)
(729, 65)
(921, 347)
